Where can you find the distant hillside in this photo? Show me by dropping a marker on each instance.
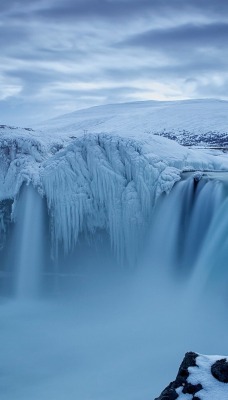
(190, 122)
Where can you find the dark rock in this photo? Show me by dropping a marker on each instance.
(181, 380)
(168, 393)
(192, 389)
(219, 370)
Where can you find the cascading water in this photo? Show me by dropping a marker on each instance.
(110, 342)
(27, 244)
(181, 221)
(186, 237)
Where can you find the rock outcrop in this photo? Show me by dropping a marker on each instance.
(199, 378)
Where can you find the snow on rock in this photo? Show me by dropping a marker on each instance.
(199, 377)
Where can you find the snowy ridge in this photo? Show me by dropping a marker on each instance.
(210, 139)
(190, 122)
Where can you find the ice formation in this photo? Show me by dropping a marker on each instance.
(96, 181)
(103, 182)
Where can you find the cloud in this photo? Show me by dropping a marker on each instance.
(183, 36)
(53, 10)
(59, 55)
(101, 9)
(12, 36)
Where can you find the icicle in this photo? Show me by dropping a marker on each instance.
(103, 182)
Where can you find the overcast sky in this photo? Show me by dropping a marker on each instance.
(58, 56)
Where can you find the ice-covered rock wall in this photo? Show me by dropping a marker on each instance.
(19, 162)
(103, 182)
(94, 182)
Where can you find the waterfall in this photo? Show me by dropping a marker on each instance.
(189, 232)
(186, 238)
(27, 243)
(125, 325)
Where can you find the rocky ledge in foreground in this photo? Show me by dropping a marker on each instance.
(199, 378)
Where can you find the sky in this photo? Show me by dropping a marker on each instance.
(59, 56)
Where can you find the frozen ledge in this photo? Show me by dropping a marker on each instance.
(199, 377)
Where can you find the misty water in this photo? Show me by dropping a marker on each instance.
(87, 328)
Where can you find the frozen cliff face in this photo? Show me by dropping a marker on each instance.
(104, 182)
(199, 377)
(20, 154)
(98, 181)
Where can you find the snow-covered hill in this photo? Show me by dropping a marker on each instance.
(190, 122)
